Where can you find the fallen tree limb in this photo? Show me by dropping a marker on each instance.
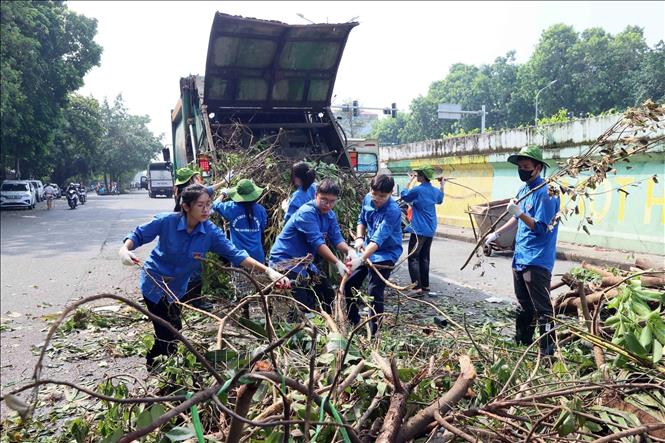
(417, 424)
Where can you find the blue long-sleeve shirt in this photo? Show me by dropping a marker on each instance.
(245, 235)
(299, 197)
(423, 199)
(303, 234)
(176, 256)
(537, 247)
(384, 227)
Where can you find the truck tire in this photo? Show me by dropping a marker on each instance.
(151, 194)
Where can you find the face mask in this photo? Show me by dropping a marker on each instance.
(524, 175)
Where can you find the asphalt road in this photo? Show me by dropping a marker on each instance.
(50, 258)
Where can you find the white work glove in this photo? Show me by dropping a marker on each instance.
(224, 191)
(281, 281)
(491, 238)
(285, 204)
(514, 208)
(341, 268)
(358, 243)
(354, 263)
(127, 257)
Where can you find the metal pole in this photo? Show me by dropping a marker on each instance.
(482, 119)
(537, 94)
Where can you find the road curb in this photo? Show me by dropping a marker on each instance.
(563, 252)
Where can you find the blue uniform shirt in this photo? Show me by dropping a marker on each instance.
(299, 198)
(303, 234)
(422, 199)
(245, 235)
(174, 259)
(537, 247)
(384, 227)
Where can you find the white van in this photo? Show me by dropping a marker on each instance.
(18, 194)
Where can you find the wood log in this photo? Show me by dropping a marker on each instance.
(573, 303)
(652, 281)
(418, 424)
(644, 264)
(611, 281)
(597, 270)
(244, 401)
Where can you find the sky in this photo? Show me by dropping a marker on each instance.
(395, 53)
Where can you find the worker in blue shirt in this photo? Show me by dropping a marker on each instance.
(184, 239)
(535, 249)
(306, 233)
(184, 177)
(423, 200)
(379, 239)
(247, 219)
(302, 177)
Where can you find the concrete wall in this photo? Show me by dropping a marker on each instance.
(634, 222)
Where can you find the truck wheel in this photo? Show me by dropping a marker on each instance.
(151, 195)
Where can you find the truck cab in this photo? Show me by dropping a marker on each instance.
(266, 83)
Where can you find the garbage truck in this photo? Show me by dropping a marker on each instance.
(264, 80)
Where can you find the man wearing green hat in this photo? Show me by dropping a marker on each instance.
(535, 249)
(423, 200)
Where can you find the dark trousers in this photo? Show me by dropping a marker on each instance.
(419, 260)
(193, 293)
(375, 289)
(532, 289)
(165, 341)
(312, 289)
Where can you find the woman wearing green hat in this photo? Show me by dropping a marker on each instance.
(188, 176)
(247, 219)
(423, 200)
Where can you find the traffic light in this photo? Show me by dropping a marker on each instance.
(355, 108)
(393, 110)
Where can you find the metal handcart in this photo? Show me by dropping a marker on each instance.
(482, 217)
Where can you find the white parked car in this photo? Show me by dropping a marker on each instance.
(39, 188)
(17, 194)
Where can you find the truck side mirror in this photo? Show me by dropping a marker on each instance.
(166, 153)
(144, 182)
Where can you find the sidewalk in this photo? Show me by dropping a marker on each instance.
(566, 251)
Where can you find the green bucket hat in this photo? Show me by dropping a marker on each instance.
(246, 191)
(183, 175)
(532, 152)
(427, 171)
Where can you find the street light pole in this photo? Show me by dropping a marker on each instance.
(304, 18)
(537, 94)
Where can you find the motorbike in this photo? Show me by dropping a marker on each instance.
(72, 198)
(82, 195)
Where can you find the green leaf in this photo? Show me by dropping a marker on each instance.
(144, 419)
(335, 341)
(593, 426)
(657, 351)
(253, 326)
(646, 337)
(633, 345)
(566, 424)
(179, 433)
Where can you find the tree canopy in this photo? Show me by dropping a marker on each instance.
(45, 53)
(594, 70)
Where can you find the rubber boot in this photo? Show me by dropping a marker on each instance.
(547, 339)
(524, 327)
